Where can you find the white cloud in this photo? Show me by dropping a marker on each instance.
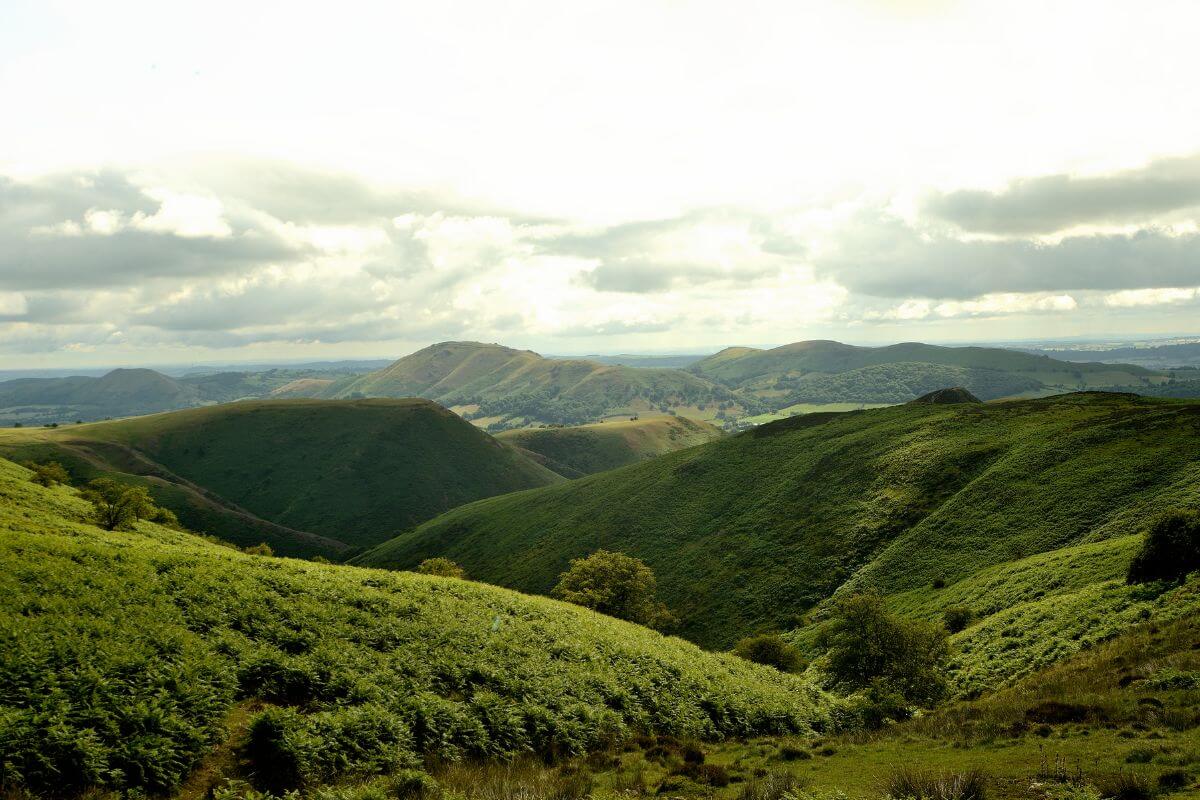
(1132, 298)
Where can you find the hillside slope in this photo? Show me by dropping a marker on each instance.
(500, 387)
(126, 657)
(353, 471)
(752, 530)
(587, 449)
(829, 372)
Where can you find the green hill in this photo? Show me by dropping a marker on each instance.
(754, 530)
(832, 372)
(354, 472)
(499, 387)
(126, 658)
(586, 449)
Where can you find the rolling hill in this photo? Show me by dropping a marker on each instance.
(499, 387)
(158, 662)
(351, 472)
(832, 372)
(586, 449)
(755, 530)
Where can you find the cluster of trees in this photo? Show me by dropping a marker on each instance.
(116, 506)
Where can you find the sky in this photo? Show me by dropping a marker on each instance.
(227, 181)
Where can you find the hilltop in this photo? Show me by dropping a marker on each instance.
(755, 530)
(586, 449)
(353, 472)
(128, 657)
(499, 387)
(832, 372)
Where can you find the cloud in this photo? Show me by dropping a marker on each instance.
(1058, 202)
(661, 255)
(882, 256)
(1133, 298)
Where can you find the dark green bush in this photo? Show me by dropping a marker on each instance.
(956, 618)
(50, 473)
(770, 649)
(614, 584)
(1126, 785)
(1171, 549)
(443, 567)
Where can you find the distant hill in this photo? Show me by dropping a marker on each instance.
(499, 387)
(586, 449)
(832, 372)
(132, 392)
(355, 472)
(130, 657)
(1160, 357)
(753, 530)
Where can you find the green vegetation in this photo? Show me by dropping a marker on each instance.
(746, 533)
(351, 472)
(587, 449)
(441, 566)
(499, 387)
(128, 657)
(769, 649)
(50, 473)
(616, 585)
(1171, 549)
(118, 507)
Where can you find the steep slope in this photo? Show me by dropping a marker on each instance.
(829, 372)
(126, 657)
(499, 387)
(354, 471)
(586, 449)
(752, 530)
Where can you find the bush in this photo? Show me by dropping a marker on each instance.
(1126, 786)
(48, 474)
(1174, 779)
(771, 650)
(614, 584)
(868, 647)
(772, 786)
(1170, 551)
(913, 783)
(260, 549)
(442, 567)
(956, 618)
(117, 506)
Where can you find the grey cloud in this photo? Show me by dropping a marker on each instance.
(31, 260)
(882, 257)
(617, 327)
(1055, 202)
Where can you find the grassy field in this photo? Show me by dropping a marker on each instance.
(351, 471)
(129, 659)
(809, 408)
(752, 531)
(587, 449)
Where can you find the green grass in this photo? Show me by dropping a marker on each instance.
(808, 408)
(750, 531)
(587, 449)
(352, 471)
(125, 658)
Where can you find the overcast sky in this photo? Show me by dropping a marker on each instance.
(250, 180)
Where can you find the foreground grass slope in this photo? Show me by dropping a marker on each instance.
(124, 658)
(500, 387)
(752, 531)
(587, 449)
(351, 471)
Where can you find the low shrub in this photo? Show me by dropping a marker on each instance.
(442, 567)
(907, 782)
(50, 473)
(1171, 549)
(771, 650)
(772, 786)
(956, 618)
(1126, 785)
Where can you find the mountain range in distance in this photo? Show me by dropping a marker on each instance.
(500, 388)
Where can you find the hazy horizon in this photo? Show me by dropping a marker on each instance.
(632, 178)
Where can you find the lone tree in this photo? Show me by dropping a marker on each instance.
(117, 506)
(770, 649)
(1171, 549)
(614, 584)
(51, 473)
(868, 647)
(442, 567)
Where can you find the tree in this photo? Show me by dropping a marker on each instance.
(442, 567)
(50, 473)
(260, 549)
(1171, 549)
(867, 646)
(770, 649)
(117, 506)
(614, 584)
